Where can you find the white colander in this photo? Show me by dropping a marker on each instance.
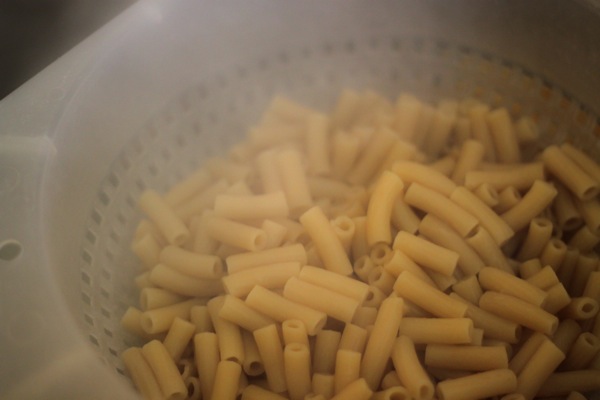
(168, 83)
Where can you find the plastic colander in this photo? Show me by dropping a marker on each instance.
(169, 83)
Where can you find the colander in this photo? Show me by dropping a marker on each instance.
(168, 83)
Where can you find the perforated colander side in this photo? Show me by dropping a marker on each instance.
(211, 116)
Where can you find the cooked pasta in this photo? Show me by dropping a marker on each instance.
(387, 250)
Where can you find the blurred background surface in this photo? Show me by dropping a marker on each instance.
(34, 33)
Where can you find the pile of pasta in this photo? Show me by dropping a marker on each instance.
(387, 250)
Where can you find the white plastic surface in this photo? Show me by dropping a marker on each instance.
(170, 83)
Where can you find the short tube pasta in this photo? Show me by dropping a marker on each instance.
(236, 311)
(477, 386)
(410, 370)
(426, 253)
(347, 368)
(381, 204)
(270, 276)
(381, 341)
(539, 367)
(231, 346)
(430, 299)
(281, 309)
(538, 234)
(271, 352)
(437, 330)
(293, 179)
(199, 266)
(328, 245)
(178, 337)
(184, 285)
(437, 231)
(430, 201)
(289, 253)
(569, 173)
(504, 136)
(317, 143)
(141, 374)
(488, 219)
(318, 298)
(259, 206)
(494, 279)
(470, 155)
(169, 224)
(520, 177)
(519, 311)
(236, 234)
(468, 358)
(227, 380)
(414, 172)
(167, 375)
(296, 361)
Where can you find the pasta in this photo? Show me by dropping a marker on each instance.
(388, 250)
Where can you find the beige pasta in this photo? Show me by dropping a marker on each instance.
(507, 199)
(519, 176)
(442, 207)
(253, 364)
(437, 330)
(357, 390)
(504, 136)
(201, 201)
(494, 327)
(141, 374)
(371, 157)
(488, 219)
(231, 346)
(151, 298)
(326, 346)
(468, 358)
(294, 331)
(236, 311)
(254, 392)
(470, 155)
(296, 361)
(317, 143)
(562, 383)
(519, 311)
(413, 172)
(167, 375)
(293, 179)
(437, 231)
(328, 245)
(199, 266)
(271, 352)
(347, 368)
(569, 173)
(345, 149)
(318, 298)
(381, 341)
(270, 276)
(401, 262)
(381, 204)
(160, 319)
(179, 335)
(544, 360)
(227, 380)
(236, 234)
(281, 309)
(185, 285)
(343, 285)
(531, 205)
(477, 386)
(486, 247)
(481, 130)
(293, 252)
(410, 370)
(169, 224)
(538, 234)
(260, 206)
(582, 352)
(469, 289)
(438, 303)
(426, 253)
(183, 190)
(147, 249)
(404, 217)
(565, 210)
(494, 279)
